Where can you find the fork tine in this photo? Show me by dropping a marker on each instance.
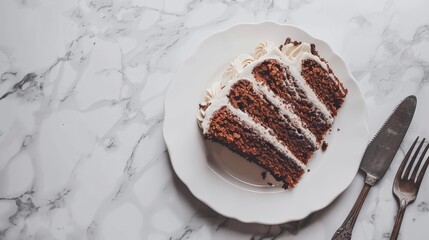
(419, 162)
(422, 173)
(411, 163)
(404, 162)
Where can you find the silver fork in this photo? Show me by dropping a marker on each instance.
(407, 183)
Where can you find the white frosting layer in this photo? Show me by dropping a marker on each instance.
(211, 93)
(241, 68)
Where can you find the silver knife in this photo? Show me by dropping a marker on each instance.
(378, 156)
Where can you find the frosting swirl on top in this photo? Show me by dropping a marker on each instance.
(294, 50)
(263, 48)
(236, 67)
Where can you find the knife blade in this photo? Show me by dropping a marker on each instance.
(383, 147)
(378, 156)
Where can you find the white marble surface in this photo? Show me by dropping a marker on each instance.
(82, 86)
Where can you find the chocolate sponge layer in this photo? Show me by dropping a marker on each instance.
(227, 129)
(244, 97)
(326, 89)
(277, 77)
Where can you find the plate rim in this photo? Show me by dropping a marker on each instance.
(168, 142)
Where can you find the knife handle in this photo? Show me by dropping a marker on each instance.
(345, 231)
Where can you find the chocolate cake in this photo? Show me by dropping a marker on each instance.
(274, 107)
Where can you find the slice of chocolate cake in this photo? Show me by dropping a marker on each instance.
(274, 108)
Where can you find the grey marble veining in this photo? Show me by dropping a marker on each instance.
(82, 85)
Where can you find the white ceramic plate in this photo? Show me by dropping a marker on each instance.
(228, 183)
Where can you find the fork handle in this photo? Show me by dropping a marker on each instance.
(345, 231)
(398, 221)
